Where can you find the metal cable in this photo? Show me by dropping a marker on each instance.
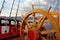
(17, 9)
(11, 9)
(2, 6)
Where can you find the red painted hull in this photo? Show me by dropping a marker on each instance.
(10, 33)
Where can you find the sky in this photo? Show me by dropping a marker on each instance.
(25, 6)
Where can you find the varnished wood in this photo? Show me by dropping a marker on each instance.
(49, 17)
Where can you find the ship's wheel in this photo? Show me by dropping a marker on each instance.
(35, 31)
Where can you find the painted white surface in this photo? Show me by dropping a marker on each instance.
(4, 28)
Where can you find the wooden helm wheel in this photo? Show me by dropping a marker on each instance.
(40, 22)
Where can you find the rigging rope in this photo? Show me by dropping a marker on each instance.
(2, 6)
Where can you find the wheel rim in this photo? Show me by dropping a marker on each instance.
(49, 17)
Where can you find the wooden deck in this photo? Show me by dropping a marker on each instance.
(12, 38)
(15, 38)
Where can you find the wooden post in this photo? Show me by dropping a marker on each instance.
(32, 6)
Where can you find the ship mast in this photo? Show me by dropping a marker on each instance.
(16, 14)
(2, 6)
(11, 9)
(17, 9)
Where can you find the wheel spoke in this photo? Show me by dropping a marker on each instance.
(25, 31)
(40, 22)
(47, 31)
(28, 25)
(34, 22)
(43, 38)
